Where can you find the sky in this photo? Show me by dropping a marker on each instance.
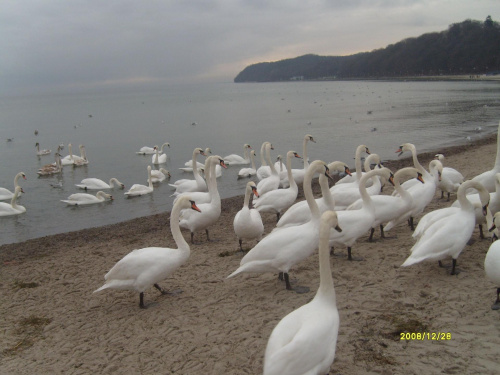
(73, 45)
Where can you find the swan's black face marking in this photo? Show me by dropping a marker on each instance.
(194, 207)
(367, 150)
(420, 178)
(391, 179)
(297, 155)
(222, 164)
(400, 150)
(338, 229)
(347, 170)
(254, 190)
(485, 208)
(312, 139)
(327, 173)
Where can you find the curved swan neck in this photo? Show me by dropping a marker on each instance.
(367, 201)
(291, 180)
(16, 179)
(465, 204)
(416, 163)
(325, 191)
(196, 174)
(325, 273)
(245, 152)
(176, 230)
(271, 164)
(398, 177)
(316, 166)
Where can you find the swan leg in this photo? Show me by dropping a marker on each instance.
(192, 237)
(372, 230)
(410, 223)
(241, 248)
(208, 237)
(453, 270)
(496, 305)
(350, 257)
(481, 234)
(280, 276)
(141, 300)
(382, 234)
(287, 281)
(160, 289)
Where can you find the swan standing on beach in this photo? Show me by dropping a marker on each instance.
(304, 341)
(41, 152)
(273, 181)
(159, 157)
(448, 235)
(281, 250)
(97, 184)
(451, 179)
(186, 185)
(12, 208)
(159, 175)
(247, 222)
(235, 159)
(82, 199)
(487, 179)
(6, 193)
(357, 164)
(298, 174)
(248, 172)
(492, 263)
(146, 267)
(138, 189)
(277, 201)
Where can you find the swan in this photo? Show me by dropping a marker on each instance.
(159, 157)
(6, 193)
(146, 150)
(81, 199)
(248, 172)
(41, 152)
(235, 159)
(355, 223)
(304, 341)
(492, 263)
(273, 181)
(357, 164)
(159, 175)
(68, 159)
(97, 184)
(12, 208)
(80, 160)
(201, 166)
(352, 180)
(450, 178)
(210, 211)
(247, 222)
(146, 267)
(186, 185)
(448, 235)
(138, 189)
(299, 213)
(389, 207)
(277, 201)
(281, 250)
(74, 159)
(50, 169)
(487, 179)
(298, 174)
(422, 194)
(264, 170)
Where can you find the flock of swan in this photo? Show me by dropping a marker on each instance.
(304, 341)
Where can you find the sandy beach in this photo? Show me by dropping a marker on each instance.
(52, 323)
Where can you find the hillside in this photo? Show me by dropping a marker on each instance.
(469, 47)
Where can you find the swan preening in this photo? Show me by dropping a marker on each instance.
(6, 193)
(247, 222)
(97, 184)
(146, 267)
(492, 263)
(82, 199)
(12, 208)
(304, 341)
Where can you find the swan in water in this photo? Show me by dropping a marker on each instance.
(81, 199)
(235, 159)
(248, 172)
(186, 185)
(446, 236)
(75, 159)
(41, 152)
(492, 263)
(146, 150)
(97, 184)
(50, 169)
(201, 167)
(487, 179)
(247, 222)
(273, 181)
(146, 267)
(451, 179)
(304, 341)
(6, 193)
(159, 175)
(211, 210)
(299, 213)
(138, 189)
(68, 159)
(12, 208)
(159, 157)
(281, 250)
(278, 200)
(264, 170)
(298, 174)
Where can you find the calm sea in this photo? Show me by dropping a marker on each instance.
(113, 126)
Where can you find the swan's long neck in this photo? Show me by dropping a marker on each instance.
(465, 204)
(252, 160)
(325, 191)
(367, 201)
(304, 152)
(245, 152)
(16, 179)
(497, 161)
(176, 230)
(291, 180)
(13, 201)
(70, 150)
(157, 153)
(150, 179)
(212, 180)
(246, 202)
(307, 186)
(357, 162)
(112, 182)
(263, 161)
(196, 174)
(325, 273)
(417, 164)
(397, 185)
(271, 164)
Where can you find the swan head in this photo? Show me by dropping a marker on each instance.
(208, 151)
(309, 137)
(185, 202)
(405, 147)
(165, 172)
(329, 220)
(199, 151)
(327, 173)
(221, 162)
(439, 157)
(251, 185)
(18, 190)
(246, 145)
(269, 145)
(420, 178)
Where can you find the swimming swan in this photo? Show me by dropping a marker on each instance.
(248, 172)
(50, 169)
(12, 208)
(235, 159)
(159, 157)
(41, 152)
(146, 267)
(186, 185)
(97, 184)
(6, 193)
(138, 189)
(159, 175)
(247, 222)
(304, 341)
(82, 199)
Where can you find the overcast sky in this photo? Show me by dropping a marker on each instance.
(80, 44)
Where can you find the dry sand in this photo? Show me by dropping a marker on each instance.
(52, 323)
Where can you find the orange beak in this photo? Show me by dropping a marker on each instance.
(194, 207)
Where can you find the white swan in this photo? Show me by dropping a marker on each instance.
(235, 159)
(298, 174)
(12, 208)
(247, 222)
(82, 199)
(159, 175)
(281, 250)
(159, 157)
(98, 184)
(210, 211)
(300, 213)
(273, 181)
(304, 341)
(6, 193)
(146, 267)
(451, 179)
(248, 172)
(80, 160)
(264, 170)
(448, 235)
(356, 223)
(487, 179)
(138, 189)
(492, 263)
(186, 185)
(389, 207)
(75, 159)
(68, 159)
(189, 163)
(353, 181)
(146, 150)
(41, 152)
(357, 164)
(278, 200)
(50, 169)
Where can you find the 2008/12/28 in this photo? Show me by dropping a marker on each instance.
(435, 336)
